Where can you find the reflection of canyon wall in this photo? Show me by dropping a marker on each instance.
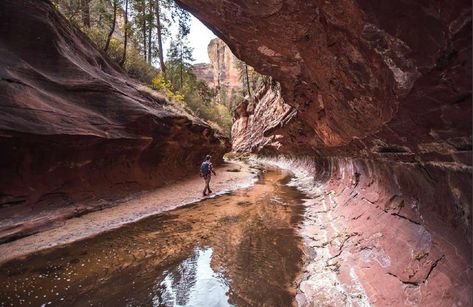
(376, 104)
(74, 129)
(222, 72)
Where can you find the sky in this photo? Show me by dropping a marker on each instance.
(199, 39)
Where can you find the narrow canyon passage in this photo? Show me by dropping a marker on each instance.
(237, 249)
(367, 104)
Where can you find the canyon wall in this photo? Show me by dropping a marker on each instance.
(374, 106)
(221, 73)
(75, 132)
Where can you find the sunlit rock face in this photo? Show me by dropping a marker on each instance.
(221, 73)
(378, 95)
(255, 119)
(224, 64)
(75, 130)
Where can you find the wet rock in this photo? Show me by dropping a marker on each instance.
(374, 105)
(381, 234)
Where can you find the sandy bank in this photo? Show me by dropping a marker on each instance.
(230, 176)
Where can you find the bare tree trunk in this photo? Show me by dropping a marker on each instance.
(144, 34)
(180, 76)
(85, 13)
(115, 4)
(160, 40)
(218, 64)
(247, 80)
(126, 35)
(180, 69)
(150, 29)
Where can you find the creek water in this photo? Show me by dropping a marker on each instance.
(239, 249)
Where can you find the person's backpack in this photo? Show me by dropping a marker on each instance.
(205, 168)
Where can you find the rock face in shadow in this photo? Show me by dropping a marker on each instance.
(357, 71)
(377, 95)
(75, 131)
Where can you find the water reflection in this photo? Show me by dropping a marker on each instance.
(193, 283)
(239, 249)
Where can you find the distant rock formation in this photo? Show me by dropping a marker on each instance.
(221, 73)
(205, 72)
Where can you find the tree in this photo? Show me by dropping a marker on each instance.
(247, 79)
(159, 28)
(85, 9)
(143, 29)
(139, 23)
(125, 40)
(182, 18)
(180, 58)
(150, 17)
(164, 9)
(114, 21)
(250, 79)
(180, 54)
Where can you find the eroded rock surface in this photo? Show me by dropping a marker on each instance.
(377, 95)
(380, 234)
(75, 130)
(255, 119)
(357, 71)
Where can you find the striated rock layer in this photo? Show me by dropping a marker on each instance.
(75, 131)
(378, 95)
(379, 234)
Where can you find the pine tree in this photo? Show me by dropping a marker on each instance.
(150, 19)
(125, 41)
(244, 77)
(114, 21)
(159, 30)
(180, 60)
(85, 8)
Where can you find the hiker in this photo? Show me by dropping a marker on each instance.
(206, 170)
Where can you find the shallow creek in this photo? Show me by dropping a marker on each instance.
(239, 249)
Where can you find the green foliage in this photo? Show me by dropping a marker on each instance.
(179, 82)
(162, 85)
(236, 98)
(196, 96)
(249, 77)
(135, 65)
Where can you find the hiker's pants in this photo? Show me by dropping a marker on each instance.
(207, 182)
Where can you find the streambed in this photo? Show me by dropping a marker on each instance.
(239, 249)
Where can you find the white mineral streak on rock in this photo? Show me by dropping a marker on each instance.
(319, 284)
(394, 52)
(267, 51)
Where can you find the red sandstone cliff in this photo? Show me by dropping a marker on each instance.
(375, 106)
(221, 73)
(75, 131)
